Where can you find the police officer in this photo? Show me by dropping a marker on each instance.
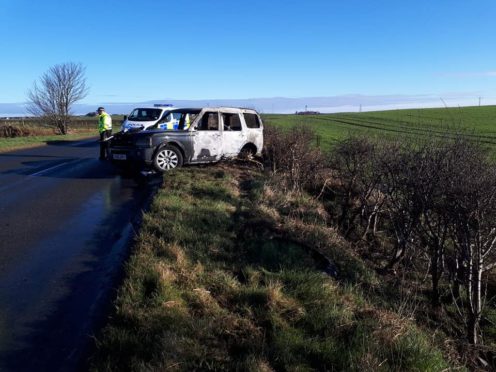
(105, 129)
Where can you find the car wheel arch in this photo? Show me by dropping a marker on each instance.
(171, 143)
(249, 147)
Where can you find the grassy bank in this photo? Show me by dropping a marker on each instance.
(224, 276)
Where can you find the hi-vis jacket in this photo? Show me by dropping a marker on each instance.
(104, 122)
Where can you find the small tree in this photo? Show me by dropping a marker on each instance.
(58, 89)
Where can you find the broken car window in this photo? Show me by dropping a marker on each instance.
(252, 120)
(209, 121)
(231, 122)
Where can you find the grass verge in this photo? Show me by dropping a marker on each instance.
(223, 279)
(17, 143)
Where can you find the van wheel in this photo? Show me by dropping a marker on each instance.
(167, 158)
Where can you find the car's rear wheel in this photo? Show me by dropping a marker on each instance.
(247, 152)
(167, 158)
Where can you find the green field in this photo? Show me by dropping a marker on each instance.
(478, 123)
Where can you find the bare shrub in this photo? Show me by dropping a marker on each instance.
(401, 208)
(355, 163)
(292, 157)
(435, 172)
(471, 193)
(436, 199)
(24, 129)
(441, 198)
(9, 131)
(418, 187)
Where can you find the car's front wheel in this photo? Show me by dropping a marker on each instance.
(167, 158)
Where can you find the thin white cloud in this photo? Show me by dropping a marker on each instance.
(341, 103)
(464, 75)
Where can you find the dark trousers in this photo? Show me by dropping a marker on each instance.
(104, 148)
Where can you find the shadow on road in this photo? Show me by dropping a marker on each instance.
(27, 156)
(72, 143)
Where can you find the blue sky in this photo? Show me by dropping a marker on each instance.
(206, 49)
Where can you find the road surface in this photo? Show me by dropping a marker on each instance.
(66, 220)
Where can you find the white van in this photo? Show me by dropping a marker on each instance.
(145, 117)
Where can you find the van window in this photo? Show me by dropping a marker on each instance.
(209, 121)
(231, 121)
(145, 114)
(252, 120)
(172, 116)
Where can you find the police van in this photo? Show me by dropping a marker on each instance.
(145, 117)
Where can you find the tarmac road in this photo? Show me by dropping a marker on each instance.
(66, 220)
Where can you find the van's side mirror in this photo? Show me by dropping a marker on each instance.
(124, 118)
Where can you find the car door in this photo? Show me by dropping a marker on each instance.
(233, 135)
(207, 138)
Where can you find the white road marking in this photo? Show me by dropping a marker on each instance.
(51, 168)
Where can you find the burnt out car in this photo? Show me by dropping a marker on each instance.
(202, 135)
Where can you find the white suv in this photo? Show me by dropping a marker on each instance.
(203, 135)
